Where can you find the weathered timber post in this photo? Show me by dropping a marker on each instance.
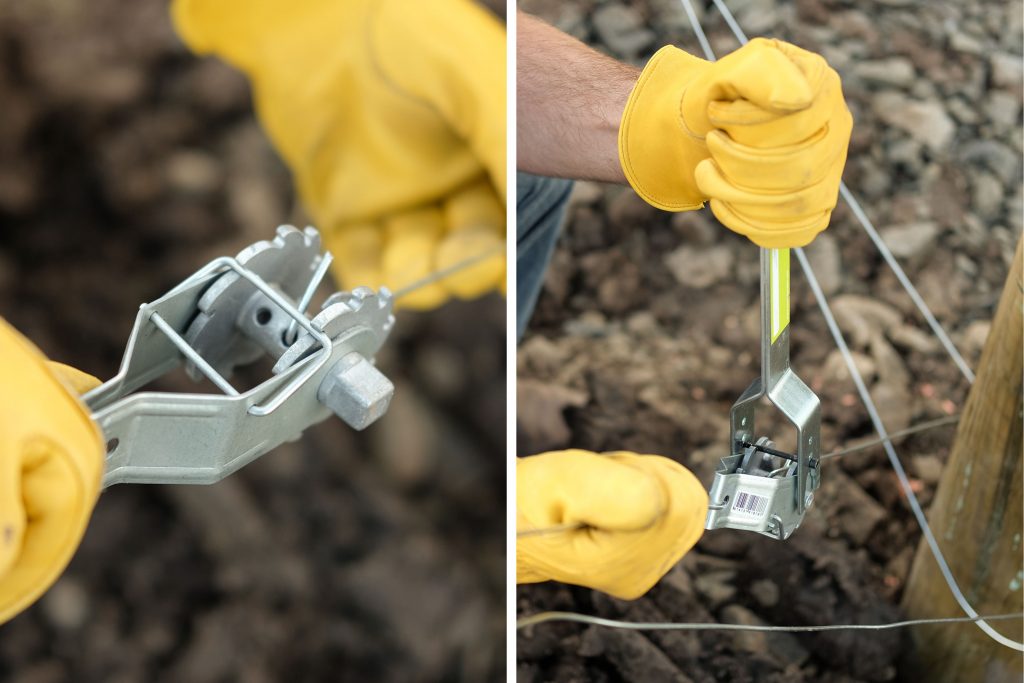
(977, 517)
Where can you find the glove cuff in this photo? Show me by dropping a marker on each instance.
(658, 153)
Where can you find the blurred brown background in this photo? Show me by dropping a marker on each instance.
(125, 165)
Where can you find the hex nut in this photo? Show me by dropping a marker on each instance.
(356, 391)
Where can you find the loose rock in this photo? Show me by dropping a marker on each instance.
(1007, 71)
(895, 71)
(925, 121)
(700, 268)
(716, 586)
(987, 198)
(826, 261)
(783, 647)
(621, 28)
(913, 240)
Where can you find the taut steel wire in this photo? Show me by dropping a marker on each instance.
(450, 270)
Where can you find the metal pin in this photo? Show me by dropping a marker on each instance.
(307, 296)
(192, 355)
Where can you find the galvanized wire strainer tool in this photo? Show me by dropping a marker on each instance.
(760, 488)
(231, 313)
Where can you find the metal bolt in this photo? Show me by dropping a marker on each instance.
(356, 391)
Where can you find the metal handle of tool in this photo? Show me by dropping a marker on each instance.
(787, 392)
(781, 495)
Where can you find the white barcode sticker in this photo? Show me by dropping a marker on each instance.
(750, 504)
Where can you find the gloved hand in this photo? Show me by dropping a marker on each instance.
(51, 464)
(639, 514)
(762, 133)
(391, 115)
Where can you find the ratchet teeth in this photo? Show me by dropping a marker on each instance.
(355, 302)
(289, 235)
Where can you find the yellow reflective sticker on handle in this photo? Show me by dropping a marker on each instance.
(779, 259)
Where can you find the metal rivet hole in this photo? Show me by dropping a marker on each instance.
(112, 445)
(263, 316)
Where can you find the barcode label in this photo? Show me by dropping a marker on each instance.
(750, 504)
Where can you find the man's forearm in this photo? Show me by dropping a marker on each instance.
(569, 102)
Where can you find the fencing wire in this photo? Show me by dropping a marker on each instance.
(922, 427)
(450, 270)
(885, 439)
(897, 466)
(916, 429)
(544, 617)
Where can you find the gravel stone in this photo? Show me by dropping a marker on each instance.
(987, 199)
(1007, 71)
(895, 71)
(995, 156)
(716, 586)
(826, 261)
(67, 605)
(700, 268)
(913, 240)
(1003, 109)
(766, 592)
(781, 646)
(928, 468)
(925, 121)
(620, 27)
(962, 42)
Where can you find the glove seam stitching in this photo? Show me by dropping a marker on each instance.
(627, 163)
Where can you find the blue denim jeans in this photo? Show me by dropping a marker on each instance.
(540, 205)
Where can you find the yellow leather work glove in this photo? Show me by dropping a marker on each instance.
(391, 115)
(637, 516)
(51, 464)
(762, 133)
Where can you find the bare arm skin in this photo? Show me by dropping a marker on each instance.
(569, 103)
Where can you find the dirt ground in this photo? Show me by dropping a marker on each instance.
(125, 165)
(647, 331)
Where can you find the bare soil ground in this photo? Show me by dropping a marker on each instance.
(125, 165)
(647, 331)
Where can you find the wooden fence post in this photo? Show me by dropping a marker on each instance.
(976, 516)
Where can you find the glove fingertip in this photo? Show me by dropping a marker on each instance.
(791, 90)
(477, 259)
(706, 176)
(74, 379)
(793, 96)
(408, 260)
(634, 590)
